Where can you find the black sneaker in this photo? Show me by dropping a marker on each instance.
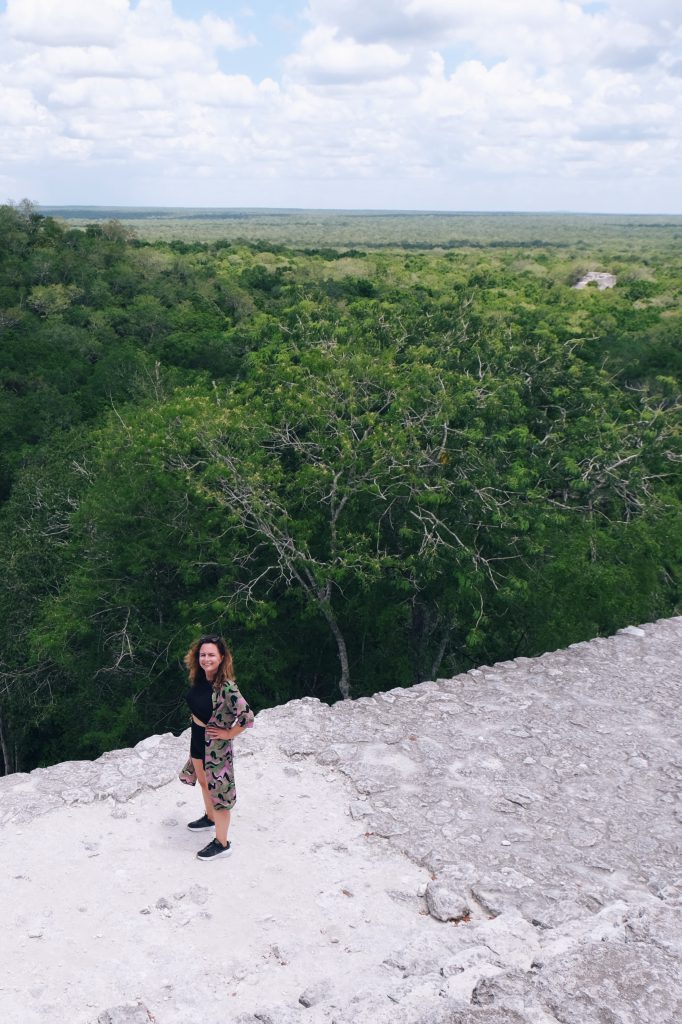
(203, 822)
(214, 849)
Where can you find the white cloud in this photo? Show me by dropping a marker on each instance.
(223, 34)
(660, 12)
(68, 22)
(104, 94)
(420, 101)
(325, 57)
(222, 90)
(19, 108)
(535, 31)
(439, 22)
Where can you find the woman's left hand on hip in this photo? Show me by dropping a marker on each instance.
(215, 733)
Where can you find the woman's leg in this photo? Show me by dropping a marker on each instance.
(201, 779)
(222, 823)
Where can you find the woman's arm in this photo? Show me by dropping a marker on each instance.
(230, 708)
(215, 733)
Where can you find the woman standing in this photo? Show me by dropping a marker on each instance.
(219, 713)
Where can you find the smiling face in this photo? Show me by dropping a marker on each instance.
(210, 659)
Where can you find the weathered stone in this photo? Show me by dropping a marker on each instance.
(445, 903)
(514, 941)
(199, 894)
(330, 756)
(544, 793)
(461, 986)
(656, 925)
(599, 983)
(628, 984)
(472, 956)
(316, 993)
(79, 795)
(278, 1015)
(128, 1013)
(483, 1015)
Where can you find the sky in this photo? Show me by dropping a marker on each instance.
(526, 105)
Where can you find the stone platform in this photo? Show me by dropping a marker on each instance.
(536, 807)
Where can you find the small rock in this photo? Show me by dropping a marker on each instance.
(638, 762)
(445, 903)
(169, 822)
(198, 894)
(275, 1015)
(315, 994)
(278, 955)
(163, 904)
(119, 812)
(35, 933)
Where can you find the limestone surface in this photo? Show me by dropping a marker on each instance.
(602, 280)
(498, 848)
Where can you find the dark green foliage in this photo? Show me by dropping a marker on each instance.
(366, 467)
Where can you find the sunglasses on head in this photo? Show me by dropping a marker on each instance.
(212, 638)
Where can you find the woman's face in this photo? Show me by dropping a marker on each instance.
(209, 659)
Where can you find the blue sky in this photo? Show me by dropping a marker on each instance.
(405, 104)
(275, 23)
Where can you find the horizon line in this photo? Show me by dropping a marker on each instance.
(365, 210)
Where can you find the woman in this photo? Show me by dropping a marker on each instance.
(219, 713)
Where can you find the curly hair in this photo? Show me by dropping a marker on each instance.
(225, 669)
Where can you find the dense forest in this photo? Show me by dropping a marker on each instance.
(372, 229)
(365, 466)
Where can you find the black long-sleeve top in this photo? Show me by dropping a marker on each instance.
(200, 700)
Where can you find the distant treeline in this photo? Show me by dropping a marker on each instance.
(375, 229)
(366, 468)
